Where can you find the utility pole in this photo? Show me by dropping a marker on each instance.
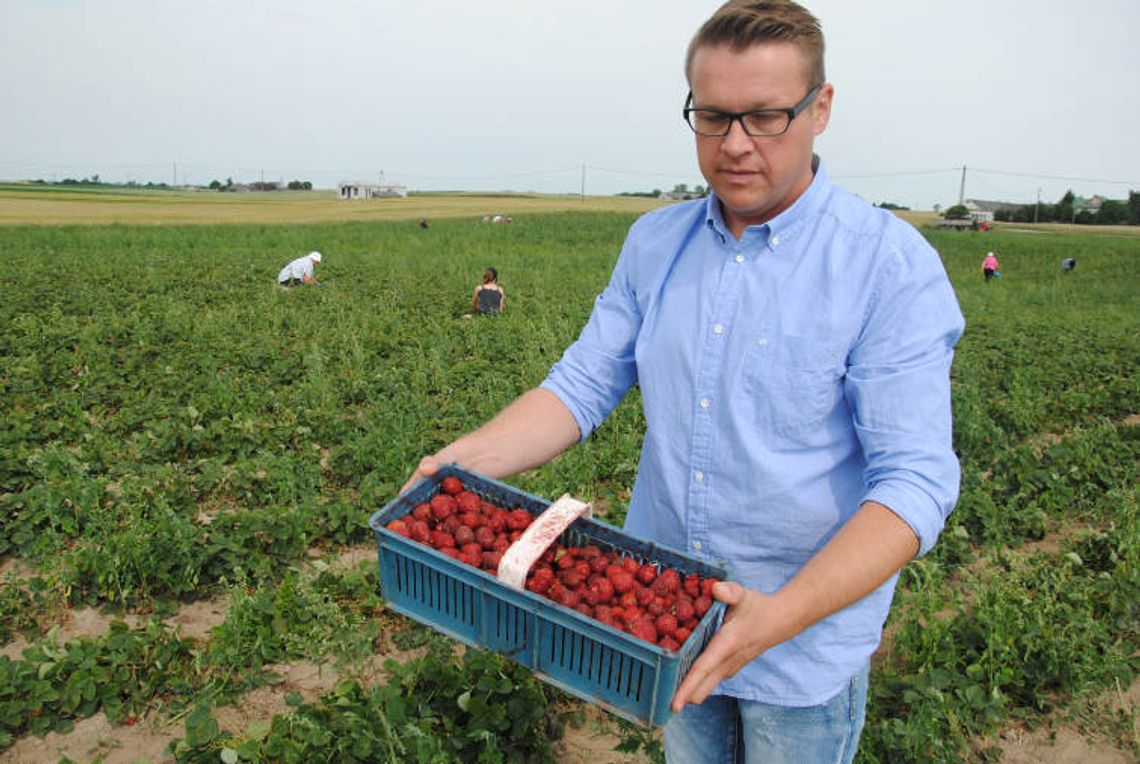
(962, 187)
(1037, 209)
(583, 192)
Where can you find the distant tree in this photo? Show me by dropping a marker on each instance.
(1084, 217)
(1112, 212)
(957, 212)
(215, 185)
(701, 191)
(1063, 212)
(1134, 207)
(656, 193)
(681, 188)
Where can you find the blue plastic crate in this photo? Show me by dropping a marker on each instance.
(600, 664)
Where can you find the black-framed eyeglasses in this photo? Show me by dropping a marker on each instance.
(762, 122)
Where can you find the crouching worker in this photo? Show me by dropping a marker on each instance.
(300, 271)
(488, 296)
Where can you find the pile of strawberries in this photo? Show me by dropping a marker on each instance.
(657, 605)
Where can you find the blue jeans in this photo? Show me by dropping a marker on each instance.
(725, 730)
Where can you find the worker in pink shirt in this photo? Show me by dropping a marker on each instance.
(990, 266)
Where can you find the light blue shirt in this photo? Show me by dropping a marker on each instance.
(787, 378)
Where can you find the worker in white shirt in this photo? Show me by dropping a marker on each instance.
(300, 271)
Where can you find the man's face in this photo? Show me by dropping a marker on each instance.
(757, 178)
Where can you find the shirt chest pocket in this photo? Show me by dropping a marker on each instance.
(794, 385)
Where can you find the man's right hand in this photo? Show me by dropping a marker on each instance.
(429, 465)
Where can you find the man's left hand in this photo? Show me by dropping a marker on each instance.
(750, 628)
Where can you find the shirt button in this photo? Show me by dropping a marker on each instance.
(718, 329)
(739, 258)
(700, 476)
(775, 241)
(697, 545)
(704, 403)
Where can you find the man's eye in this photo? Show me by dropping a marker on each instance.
(712, 120)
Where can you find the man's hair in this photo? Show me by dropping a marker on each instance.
(740, 24)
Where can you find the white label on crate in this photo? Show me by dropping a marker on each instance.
(538, 536)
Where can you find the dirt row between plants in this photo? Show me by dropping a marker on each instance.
(95, 738)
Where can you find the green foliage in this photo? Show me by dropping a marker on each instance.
(170, 437)
(438, 708)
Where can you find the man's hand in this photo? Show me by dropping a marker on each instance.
(429, 465)
(750, 627)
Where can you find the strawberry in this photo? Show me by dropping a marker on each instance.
(701, 605)
(644, 629)
(684, 610)
(400, 528)
(484, 537)
(442, 505)
(646, 574)
(669, 643)
(644, 596)
(571, 578)
(631, 564)
(441, 539)
(518, 520)
(491, 561)
(451, 485)
(620, 577)
(471, 519)
(468, 502)
(666, 625)
(682, 634)
(706, 586)
(422, 512)
(464, 535)
(473, 550)
(418, 531)
(692, 585)
(602, 588)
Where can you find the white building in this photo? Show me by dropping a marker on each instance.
(363, 189)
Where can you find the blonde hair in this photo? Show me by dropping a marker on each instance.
(740, 24)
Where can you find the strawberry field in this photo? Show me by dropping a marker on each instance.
(180, 436)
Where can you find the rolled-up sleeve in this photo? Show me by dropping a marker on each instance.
(598, 369)
(898, 387)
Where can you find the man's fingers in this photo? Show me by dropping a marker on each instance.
(428, 466)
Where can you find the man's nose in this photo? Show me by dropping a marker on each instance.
(736, 141)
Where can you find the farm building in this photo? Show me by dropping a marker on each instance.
(362, 189)
(983, 211)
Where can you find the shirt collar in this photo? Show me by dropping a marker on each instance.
(785, 224)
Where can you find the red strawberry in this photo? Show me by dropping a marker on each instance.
(442, 505)
(620, 577)
(473, 550)
(646, 574)
(631, 564)
(518, 520)
(418, 531)
(644, 596)
(669, 643)
(491, 561)
(672, 580)
(602, 588)
(666, 625)
(693, 585)
(599, 564)
(571, 578)
(568, 597)
(440, 539)
(451, 485)
(422, 512)
(644, 629)
(400, 528)
(485, 537)
(684, 610)
(681, 634)
(468, 502)
(706, 586)
(471, 519)
(701, 605)
(464, 535)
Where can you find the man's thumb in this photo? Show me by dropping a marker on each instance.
(728, 592)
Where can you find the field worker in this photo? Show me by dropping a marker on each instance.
(990, 266)
(489, 296)
(792, 345)
(300, 271)
(1068, 264)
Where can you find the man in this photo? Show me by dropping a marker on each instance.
(792, 345)
(300, 271)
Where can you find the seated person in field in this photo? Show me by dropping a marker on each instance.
(489, 296)
(300, 271)
(1069, 263)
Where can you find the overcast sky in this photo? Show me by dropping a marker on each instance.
(523, 94)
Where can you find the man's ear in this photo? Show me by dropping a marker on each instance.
(821, 108)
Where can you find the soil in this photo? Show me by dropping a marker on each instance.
(590, 742)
